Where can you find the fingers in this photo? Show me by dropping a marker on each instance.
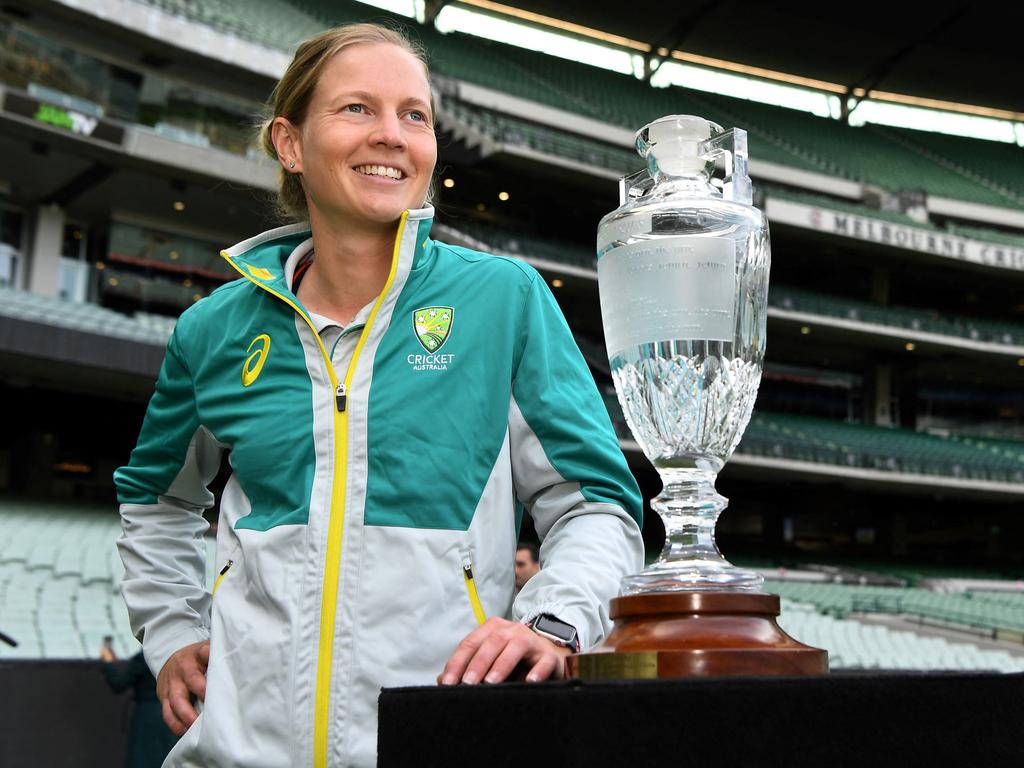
(459, 660)
(195, 681)
(183, 676)
(502, 646)
(177, 727)
(511, 654)
(492, 651)
(179, 713)
(551, 665)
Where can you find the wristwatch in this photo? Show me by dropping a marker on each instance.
(556, 631)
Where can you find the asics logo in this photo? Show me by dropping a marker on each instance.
(254, 362)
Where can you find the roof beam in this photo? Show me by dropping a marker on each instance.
(860, 89)
(671, 40)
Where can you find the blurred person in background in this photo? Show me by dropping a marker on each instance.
(527, 563)
(385, 399)
(149, 738)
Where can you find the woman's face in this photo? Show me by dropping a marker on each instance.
(367, 149)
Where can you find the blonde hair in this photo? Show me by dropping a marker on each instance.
(293, 92)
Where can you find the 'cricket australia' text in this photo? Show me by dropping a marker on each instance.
(430, 362)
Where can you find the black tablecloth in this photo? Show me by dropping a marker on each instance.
(872, 720)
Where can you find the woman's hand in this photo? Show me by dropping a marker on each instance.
(183, 676)
(491, 651)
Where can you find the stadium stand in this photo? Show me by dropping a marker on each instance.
(992, 613)
(59, 581)
(510, 130)
(855, 645)
(785, 136)
(83, 316)
(805, 438)
(520, 244)
(931, 321)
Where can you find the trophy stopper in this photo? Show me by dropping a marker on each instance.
(674, 145)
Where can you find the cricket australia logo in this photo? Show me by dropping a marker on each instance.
(432, 326)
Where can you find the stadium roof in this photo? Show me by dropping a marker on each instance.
(951, 50)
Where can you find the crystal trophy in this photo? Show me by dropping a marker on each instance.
(683, 276)
(682, 270)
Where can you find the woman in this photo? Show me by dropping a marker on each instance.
(386, 399)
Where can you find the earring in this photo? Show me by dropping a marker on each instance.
(291, 164)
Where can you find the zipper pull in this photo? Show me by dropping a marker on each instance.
(226, 567)
(468, 570)
(340, 397)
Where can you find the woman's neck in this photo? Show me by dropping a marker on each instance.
(349, 270)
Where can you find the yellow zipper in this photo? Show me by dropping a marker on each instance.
(474, 596)
(220, 576)
(336, 522)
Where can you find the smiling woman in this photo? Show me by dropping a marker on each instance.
(371, 518)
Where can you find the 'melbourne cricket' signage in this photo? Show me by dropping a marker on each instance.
(897, 235)
(64, 118)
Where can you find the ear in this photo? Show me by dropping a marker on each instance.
(287, 140)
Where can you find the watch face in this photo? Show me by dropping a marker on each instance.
(564, 632)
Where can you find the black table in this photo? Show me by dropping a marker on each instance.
(851, 719)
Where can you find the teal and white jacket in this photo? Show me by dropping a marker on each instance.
(371, 518)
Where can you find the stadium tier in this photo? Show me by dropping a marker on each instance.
(962, 169)
(810, 439)
(994, 613)
(59, 581)
(521, 244)
(86, 317)
(506, 129)
(796, 299)
(856, 645)
(996, 163)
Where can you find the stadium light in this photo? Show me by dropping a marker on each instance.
(909, 346)
(503, 196)
(560, 24)
(556, 283)
(805, 329)
(179, 205)
(448, 183)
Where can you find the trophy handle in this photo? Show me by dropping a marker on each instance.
(731, 147)
(634, 185)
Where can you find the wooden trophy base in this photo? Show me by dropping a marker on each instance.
(696, 634)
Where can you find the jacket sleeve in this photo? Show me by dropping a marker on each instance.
(163, 492)
(571, 477)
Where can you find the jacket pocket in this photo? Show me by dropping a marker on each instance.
(474, 596)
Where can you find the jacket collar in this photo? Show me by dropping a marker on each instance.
(261, 259)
